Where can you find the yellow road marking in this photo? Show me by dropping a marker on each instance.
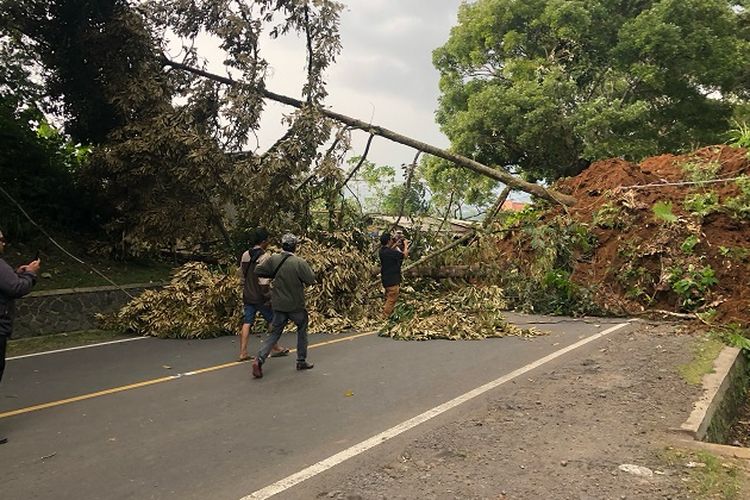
(146, 383)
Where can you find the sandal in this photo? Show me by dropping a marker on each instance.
(280, 353)
(242, 359)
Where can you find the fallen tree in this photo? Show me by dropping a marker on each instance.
(496, 173)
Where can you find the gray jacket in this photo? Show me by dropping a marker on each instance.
(288, 286)
(12, 286)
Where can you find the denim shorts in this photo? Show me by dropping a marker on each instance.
(251, 309)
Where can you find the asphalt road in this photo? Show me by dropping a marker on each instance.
(169, 432)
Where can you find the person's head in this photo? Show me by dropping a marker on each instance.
(385, 238)
(261, 237)
(289, 242)
(2, 242)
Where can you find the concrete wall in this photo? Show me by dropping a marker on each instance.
(732, 396)
(57, 311)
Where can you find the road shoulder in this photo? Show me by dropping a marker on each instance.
(561, 433)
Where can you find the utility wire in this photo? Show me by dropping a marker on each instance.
(41, 229)
(684, 183)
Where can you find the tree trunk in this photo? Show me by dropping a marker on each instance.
(496, 173)
(446, 272)
(496, 208)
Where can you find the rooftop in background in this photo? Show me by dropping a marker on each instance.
(429, 224)
(514, 206)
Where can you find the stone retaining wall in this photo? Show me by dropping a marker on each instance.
(56, 311)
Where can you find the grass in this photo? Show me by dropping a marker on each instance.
(31, 345)
(60, 271)
(711, 476)
(705, 351)
(73, 275)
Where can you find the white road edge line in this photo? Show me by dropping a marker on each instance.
(332, 461)
(77, 348)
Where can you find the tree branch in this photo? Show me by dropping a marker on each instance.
(496, 173)
(407, 189)
(496, 208)
(359, 164)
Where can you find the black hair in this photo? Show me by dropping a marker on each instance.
(289, 247)
(385, 238)
(252, 237)
(261, 235)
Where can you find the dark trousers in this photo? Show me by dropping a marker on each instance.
(3, 346)
(280, 319)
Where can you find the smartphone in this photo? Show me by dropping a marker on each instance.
(36, 257)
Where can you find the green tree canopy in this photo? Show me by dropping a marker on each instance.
(547, 86)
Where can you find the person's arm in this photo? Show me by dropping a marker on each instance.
(244, 264)
(16, 285)
(264, 269)
(406, 249)
(306, 273)
(264, 283)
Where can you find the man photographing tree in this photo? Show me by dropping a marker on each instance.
(392, 254)
(13, 285)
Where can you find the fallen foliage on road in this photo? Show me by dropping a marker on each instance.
(668, 235)
(464, 312)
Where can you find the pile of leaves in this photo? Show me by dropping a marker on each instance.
(464, 312)
(341, 298)
(201, 302)
(197, 303)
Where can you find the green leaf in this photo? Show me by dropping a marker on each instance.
(663, 211)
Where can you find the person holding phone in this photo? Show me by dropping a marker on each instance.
(13, 285)
(393, 251)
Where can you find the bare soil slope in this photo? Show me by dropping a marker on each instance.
(638, 258)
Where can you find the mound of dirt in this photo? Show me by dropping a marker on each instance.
(640, 257)
(693, 255)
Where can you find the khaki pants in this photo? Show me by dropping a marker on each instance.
(391, 295)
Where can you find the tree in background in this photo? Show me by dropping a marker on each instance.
(386, 196)
(38, 166)
(545, 87)
(165, 143)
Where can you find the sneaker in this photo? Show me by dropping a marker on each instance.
(3, 440)
(304, 365)
(257, 370)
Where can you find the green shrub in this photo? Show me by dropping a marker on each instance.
(688, 245)
(691, 284)
(609, 216)
(702, 204)
(699, 171)
(663, 212)
(739, 206)
(739, 135)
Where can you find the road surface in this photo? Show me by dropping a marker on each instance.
(178, 419)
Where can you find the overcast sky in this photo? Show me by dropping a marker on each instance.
(384, 73)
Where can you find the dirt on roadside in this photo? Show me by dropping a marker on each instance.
(722, 240)
(563, 433)
(697, 259)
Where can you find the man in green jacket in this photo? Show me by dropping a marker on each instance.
(289, 274)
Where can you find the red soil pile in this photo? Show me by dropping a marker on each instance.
(724, 238)
(636, 252)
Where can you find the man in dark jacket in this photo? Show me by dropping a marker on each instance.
(289, 274)
(392, 254)
(256, 292)
(13, 285)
